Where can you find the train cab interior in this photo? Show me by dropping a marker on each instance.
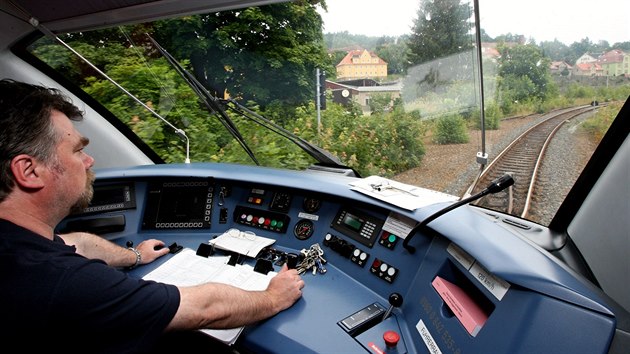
(559, 287)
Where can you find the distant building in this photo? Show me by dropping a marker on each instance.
(360, 63)
(588, 69)
(559, 67)
(587, 58)
(362, 91)
(612, 63)
(489, 50)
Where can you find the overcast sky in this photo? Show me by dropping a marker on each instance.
(598, 20)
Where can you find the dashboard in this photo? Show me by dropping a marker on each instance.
(517, 297)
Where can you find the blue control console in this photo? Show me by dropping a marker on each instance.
(530, 302)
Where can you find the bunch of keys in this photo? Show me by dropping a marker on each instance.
(313, 259)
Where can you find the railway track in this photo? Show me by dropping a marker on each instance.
(522, 159)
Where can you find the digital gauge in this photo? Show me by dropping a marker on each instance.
(358, 225)
(303, 229)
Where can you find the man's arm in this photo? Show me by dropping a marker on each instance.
(215, 305)
(95, 247)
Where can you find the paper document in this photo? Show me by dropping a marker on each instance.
(245, 243)
(399, 194)
(186, 268)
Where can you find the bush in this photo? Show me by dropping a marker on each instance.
(598, 125)
(578, 91)
(450, 129)
(493, 116)
(382, 144)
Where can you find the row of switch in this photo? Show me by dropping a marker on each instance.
(379, 268)
(261, 219)
(383, 270)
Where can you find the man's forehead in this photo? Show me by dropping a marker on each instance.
(63, 124)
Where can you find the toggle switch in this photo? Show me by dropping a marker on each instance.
(395, 300)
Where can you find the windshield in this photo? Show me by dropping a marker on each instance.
(396, 91)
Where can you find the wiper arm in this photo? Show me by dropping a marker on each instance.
(208, 99)
(322, 156)
(319, 154)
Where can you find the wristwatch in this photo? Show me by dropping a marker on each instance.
(138, 257)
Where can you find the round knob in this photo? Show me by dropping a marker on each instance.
(395, 299)
(391, 338)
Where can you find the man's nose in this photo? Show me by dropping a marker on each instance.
(89, 161)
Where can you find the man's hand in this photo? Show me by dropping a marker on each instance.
(151, 250)
(95, 247)
(285, 288)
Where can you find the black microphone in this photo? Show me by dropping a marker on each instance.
(495, 186)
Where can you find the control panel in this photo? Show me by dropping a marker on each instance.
(364, 263)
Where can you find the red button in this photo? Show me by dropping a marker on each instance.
(391, 338)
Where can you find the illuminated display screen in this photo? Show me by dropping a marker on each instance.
(352, 222)
(357, 225)
(178, 205)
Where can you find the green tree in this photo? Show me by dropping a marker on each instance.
(344, 40)
(579, 48)
(394, 52)
(258, 53)
(380, 103)
(556, 51)
(441, 28)
(485, 37)
(625, 46)
(524, 72)
(159, 87)
(511, 38)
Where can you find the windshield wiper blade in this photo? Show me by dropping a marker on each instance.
(208, 99)
(322, 156)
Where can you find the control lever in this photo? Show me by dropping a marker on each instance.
(395, 300)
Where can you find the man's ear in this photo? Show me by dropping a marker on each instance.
(27, 171)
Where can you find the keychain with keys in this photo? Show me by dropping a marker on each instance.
(313, 260)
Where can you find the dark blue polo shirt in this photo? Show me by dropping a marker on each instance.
(62, 302)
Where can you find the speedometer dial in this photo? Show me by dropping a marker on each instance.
(303, 229)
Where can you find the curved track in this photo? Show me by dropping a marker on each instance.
(522, 159)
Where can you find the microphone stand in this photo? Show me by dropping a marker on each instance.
(495, 186)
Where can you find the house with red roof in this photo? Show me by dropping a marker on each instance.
(489, 50)
(588, 69)
(612, 63)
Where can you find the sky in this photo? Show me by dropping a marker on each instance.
(598, 20)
